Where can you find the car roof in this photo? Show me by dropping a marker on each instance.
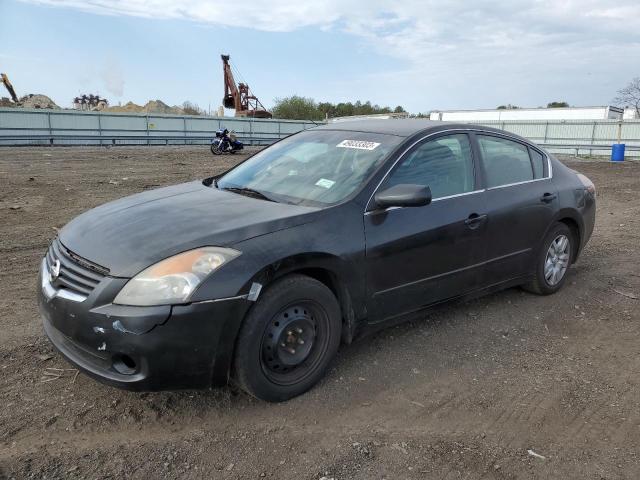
(403, 127)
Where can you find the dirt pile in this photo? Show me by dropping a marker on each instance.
(128, 107)
(158, 106)
(42, 101)
(37, 101)
(152, 106)
(31, 100)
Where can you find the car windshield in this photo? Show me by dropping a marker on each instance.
(316, 168)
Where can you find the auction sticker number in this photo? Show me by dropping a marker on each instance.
(324, 183)
(358, 144)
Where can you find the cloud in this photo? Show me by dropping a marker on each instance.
(432, 17)
(413, 30)
(436, 42)
(276, 15)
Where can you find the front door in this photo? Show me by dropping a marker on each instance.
(417, 256)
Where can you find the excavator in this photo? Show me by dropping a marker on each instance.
(4, 79)
(239, 96)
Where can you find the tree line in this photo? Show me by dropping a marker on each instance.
(297, 107)
(303, 108)
(549, 105)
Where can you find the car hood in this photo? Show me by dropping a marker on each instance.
(132, 233)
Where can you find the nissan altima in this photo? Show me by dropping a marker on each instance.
(258, 275)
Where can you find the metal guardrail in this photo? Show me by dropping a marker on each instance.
(151, 140)
(589, 147)
(578, 136)
(69, 127)
(131, 140)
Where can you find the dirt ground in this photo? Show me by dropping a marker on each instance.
(508, 386)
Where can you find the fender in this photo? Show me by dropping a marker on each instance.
(336, 273)
(328, 269)
(574, 215)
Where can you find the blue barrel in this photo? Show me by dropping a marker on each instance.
(617, 152)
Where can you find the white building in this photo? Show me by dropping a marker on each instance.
(569, 113)
(630, 114)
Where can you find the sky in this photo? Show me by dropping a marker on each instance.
(422, 54)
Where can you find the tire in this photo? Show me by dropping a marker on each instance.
(215, 149)
(543, 283)
(288, 339)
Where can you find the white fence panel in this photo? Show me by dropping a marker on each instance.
(69, 127)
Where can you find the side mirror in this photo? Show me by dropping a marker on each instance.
(404, 195)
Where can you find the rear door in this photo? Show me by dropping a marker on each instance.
(416, 256)
(521, 202)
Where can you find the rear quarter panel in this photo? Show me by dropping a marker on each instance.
(575, 201)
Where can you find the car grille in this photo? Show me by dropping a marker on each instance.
(76, 273)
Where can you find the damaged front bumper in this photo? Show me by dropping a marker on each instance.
(142, 348)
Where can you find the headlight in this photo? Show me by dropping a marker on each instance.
(174, 279)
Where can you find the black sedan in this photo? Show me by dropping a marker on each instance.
(259, 274)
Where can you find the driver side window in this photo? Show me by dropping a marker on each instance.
(444, 165)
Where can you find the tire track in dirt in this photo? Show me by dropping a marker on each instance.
(464, 393)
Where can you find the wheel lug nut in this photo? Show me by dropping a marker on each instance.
(300, 341)
(291, 351)
(289, 332)
(299, 330)
(283, 344)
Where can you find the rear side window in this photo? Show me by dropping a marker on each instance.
(505, 161)
(537, 160)
(444, 165)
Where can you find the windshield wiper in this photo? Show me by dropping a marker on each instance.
(250, 192)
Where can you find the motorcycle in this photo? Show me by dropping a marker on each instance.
(225, 142)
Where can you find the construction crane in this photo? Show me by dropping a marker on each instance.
(239, 97)
(7, 84)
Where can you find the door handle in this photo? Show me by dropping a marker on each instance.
(548, 197)
(475, 220)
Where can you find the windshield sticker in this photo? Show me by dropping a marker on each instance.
(324, 183)
(358, 144)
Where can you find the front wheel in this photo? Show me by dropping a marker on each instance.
(215, 149)
(553, 261)
(288, 339)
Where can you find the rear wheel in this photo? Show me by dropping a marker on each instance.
(288, 339)
(553, 261)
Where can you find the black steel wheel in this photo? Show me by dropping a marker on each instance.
(293, 342)
(288, 339)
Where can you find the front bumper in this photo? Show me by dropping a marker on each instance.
(144, 348)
